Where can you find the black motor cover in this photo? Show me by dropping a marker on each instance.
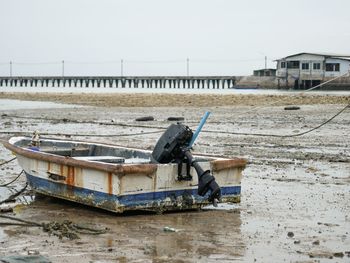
(170, 144)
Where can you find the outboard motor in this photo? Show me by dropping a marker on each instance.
(174, 146)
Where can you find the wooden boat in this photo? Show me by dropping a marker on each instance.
(117, 178)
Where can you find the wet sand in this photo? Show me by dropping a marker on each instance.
(177, 100)
(295, 190)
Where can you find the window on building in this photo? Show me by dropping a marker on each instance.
(305, 66)
(293, 64)
(283, 64)
(332, 66)
(316, 66)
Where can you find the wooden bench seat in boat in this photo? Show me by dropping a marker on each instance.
(104, 159)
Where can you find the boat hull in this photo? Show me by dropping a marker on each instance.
(122, 187)
(161, 201)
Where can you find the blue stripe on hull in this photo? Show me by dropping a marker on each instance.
(123, 202)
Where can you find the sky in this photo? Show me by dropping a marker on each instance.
(163, 37)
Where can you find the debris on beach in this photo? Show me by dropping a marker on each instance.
(65, 229)
(69, 229)
(176, 119)
(169, 229)
(147, 118)
(25, 259)
(292, 108)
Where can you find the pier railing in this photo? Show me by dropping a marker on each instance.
(177, 82)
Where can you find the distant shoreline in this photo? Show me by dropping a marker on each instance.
(178, 100)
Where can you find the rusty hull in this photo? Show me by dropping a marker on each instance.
(121, 187)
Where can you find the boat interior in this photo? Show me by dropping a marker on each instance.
(92, 152)
(88, 152)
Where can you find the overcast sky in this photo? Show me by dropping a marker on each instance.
(154, 37)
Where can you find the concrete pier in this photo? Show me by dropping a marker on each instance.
(177, 82)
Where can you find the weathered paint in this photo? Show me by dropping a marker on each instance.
(110, 183)
(62, 170)
(70, 180)
(69, 161)
(147, 189)
(152, 201)
(169, 196)
(219, 165)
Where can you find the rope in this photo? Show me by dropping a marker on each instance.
(205, 131)
(162, 128)
(14, 224)
(13, 196)
(8, 161)
(83, 135)
(101, 135)
(6, 184)
(282, 136)
(30, 223)
(86, 122)
(321, 84)
(66, 228)
(298, 93)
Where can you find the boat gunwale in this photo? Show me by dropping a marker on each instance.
(118, 169)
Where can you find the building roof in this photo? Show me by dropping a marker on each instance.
(345, 58)
(327, 55)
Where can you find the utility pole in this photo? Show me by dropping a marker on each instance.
(10, 68)
(62, 68)
(121, 67)
(265, 62)
(188, 66)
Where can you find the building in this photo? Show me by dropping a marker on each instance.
(268, 72)
(306, 70)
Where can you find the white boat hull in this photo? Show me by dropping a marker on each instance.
(123, 187)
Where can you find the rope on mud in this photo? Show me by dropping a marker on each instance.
(300, 93)
(85, 122)
(321, 84)
(208, 131)
(66, 228)
(162, 128)
(281, 136)
(13, 224)
(13, 196)
(102, 135)
(64, 120)
(83, 135)
(8, 161)
(25, 222)
(6, 184)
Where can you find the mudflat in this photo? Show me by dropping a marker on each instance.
(295, 189)
(177, 100)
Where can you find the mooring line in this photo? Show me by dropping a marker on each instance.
(218, 132)
(29, 223)
(161, 129)
(204, 131)
(297, 93)
(13, 196)
(102, 135)
(64, 120)
(281, 136)
(66, 228)
(82, 135)
(8, 161)
(6, 184)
